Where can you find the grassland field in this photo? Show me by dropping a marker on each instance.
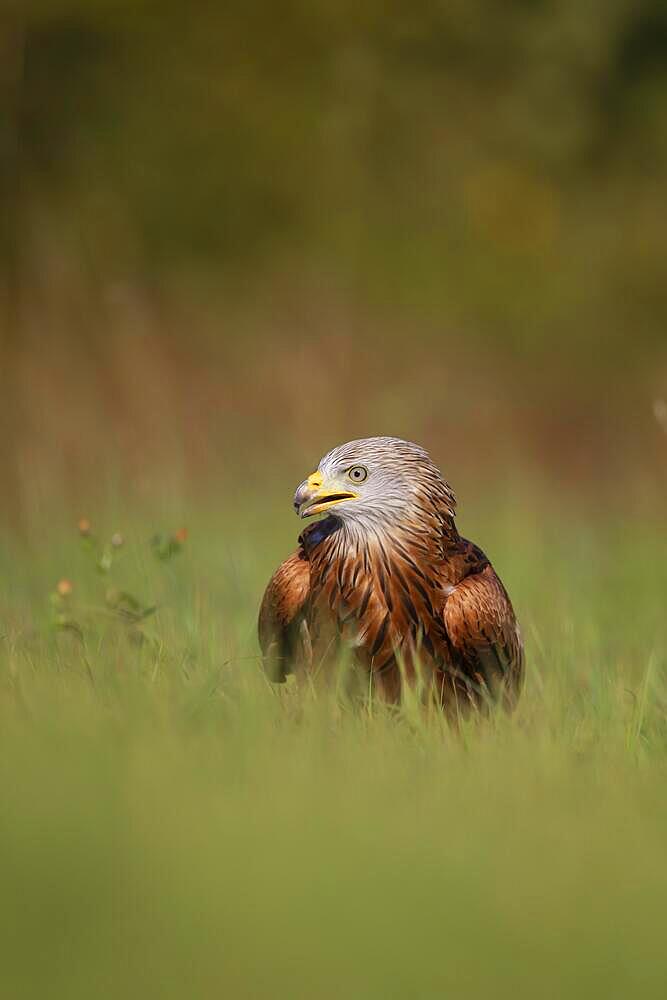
(173, 826)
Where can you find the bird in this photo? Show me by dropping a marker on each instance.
(385, 581)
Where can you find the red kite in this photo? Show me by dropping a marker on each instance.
(386, 577)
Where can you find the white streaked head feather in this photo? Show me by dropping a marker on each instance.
(401, 478)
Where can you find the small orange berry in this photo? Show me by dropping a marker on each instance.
(64, 588)
(84, 526)
(181, 535)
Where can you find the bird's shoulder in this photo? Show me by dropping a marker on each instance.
(284, 597)
(481, 625)
(461, 558)
(476, 592)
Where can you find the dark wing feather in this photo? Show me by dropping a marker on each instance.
(281, 620)
(484, 636)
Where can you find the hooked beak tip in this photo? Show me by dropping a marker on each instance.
(302, 494)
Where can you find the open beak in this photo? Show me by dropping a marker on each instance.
(313, 497)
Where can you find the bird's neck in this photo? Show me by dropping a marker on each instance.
(431, 534)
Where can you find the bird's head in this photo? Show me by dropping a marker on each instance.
(374, 479)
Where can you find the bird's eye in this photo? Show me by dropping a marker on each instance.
(357, 473)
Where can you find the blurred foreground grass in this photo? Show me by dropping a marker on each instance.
(172, 826)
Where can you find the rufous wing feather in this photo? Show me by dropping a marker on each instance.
(281, 623)
(484, 636)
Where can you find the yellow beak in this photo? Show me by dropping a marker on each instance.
(314, 497)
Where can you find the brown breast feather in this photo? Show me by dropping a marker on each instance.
(394, 599)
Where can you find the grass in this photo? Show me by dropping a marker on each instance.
(172, 826)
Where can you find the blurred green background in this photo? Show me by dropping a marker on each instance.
(234, 235)
(253, 230)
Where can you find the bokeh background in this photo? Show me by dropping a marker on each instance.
(237, 234)
(233, 235)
